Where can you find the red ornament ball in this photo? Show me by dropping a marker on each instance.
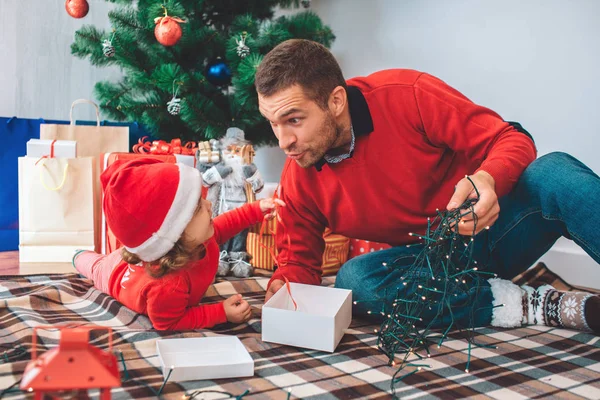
(77, 8)
(167, 31)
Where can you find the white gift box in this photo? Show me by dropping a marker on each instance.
(41, 147)
(202, 358)
(322, 316)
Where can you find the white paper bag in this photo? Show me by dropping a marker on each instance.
(56, 208)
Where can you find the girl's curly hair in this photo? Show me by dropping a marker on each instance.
(178, 257)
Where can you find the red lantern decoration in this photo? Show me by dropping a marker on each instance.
(77, 8)
(74, 366)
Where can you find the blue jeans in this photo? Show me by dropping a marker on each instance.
(556, 196)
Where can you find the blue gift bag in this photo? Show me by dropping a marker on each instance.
(14, 135)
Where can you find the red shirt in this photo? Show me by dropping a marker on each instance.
(171, 301)
(416, 137)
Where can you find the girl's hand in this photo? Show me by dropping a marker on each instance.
(237, 309)
(269, 207)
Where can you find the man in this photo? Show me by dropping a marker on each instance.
(374, 157)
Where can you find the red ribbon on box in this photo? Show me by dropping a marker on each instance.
(51, 153)
(160, 147)
(287, 284)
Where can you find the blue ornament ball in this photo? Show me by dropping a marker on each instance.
(218, 73)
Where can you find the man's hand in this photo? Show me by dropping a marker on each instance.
(486, 209)
(275, 286)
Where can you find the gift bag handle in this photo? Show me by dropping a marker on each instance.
(54, 189)
(85, 101)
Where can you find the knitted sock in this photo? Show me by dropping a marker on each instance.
(573, 310)
(508, 310)
(240, 267)
(224, 266)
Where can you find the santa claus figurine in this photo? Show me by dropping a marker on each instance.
(227, 177)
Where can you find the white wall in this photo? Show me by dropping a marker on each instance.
(535, 61)
(39, 78)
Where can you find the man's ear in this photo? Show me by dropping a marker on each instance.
(337, 101)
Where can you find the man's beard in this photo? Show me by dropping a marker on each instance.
(329, 133)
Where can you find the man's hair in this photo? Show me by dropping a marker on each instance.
(300, 62)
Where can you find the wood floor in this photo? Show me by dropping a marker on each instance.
(9, 265)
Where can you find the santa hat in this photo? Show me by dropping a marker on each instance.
(149, 203)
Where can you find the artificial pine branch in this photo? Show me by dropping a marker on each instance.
(212, 30)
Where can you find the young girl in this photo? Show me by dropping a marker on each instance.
(171, 244)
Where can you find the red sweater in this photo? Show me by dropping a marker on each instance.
(171, 302)
(416, 137)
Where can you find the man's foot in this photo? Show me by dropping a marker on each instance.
(573, 310)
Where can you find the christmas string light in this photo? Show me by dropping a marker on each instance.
(199, 392)
(12, 352)
(14, 388)
(442, 271)
(11, 355)
(186, 396)
(195, 393)
(128, 378)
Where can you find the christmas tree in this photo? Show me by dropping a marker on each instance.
(189, 65)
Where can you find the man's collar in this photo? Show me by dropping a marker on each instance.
(359, 114)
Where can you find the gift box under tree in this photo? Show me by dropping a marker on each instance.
(359, 247)
(159, 150)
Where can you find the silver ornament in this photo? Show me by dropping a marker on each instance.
(242, 49)
(107, 48)
(305, 3)
(173, 106)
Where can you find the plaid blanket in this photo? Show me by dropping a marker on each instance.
(530, 362)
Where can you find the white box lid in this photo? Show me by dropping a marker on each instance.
(214, 357)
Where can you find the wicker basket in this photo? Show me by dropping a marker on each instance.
(334, 256)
